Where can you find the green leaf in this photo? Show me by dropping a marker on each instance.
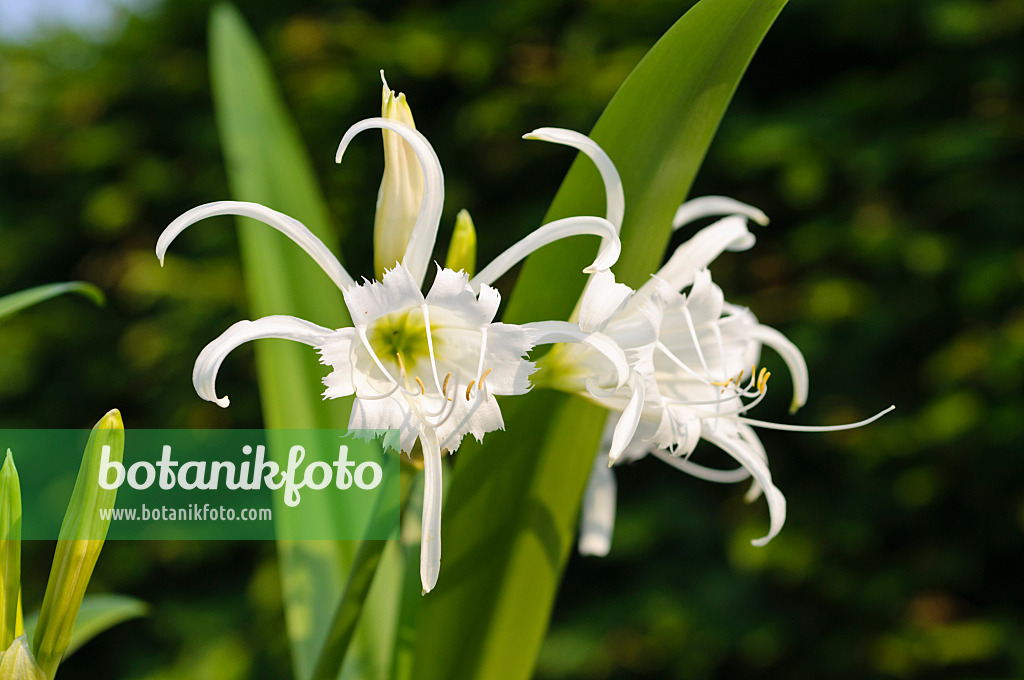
(267, 163)
(361, 575)
(9, 304)
(489, 613)
(98, 614)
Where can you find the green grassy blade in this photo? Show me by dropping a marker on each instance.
(15, 302)
(489, 613)
(98, 614)
(268, 164)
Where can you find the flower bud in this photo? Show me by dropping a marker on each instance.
(462, 249)
(401, 189)
(17, 663)
(78, 545)
(10, 551)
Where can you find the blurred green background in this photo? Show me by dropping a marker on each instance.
(883, 138)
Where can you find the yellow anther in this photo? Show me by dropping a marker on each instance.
(762, 380)
(444, 387)
(480, 385)
(419, 382)
(469, 388)
(401, 364)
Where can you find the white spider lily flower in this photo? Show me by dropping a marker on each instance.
(427, 366)
(689, 354)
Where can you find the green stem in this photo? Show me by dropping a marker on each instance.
(360, 578)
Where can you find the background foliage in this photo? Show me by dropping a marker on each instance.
(884, 140)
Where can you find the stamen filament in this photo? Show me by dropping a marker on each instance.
(377, 361)
(430, 347)
(814, 428)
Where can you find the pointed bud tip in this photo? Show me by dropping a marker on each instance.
(111, 421)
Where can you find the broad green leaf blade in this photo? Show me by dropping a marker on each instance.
(268, 164)
(15, 302)
(361, 574)
(98, 614)
(510, 516)
(657, 130)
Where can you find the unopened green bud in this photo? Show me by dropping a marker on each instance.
(17, 662)
(401, 189)
(10, 551)
(462, 249)
(78, 545)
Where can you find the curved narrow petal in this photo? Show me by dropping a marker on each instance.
(430, 537)
(794, 359)
(204, 375)
(597, 516)
(548, 332)
(602, 299)
(745, 456)
(421, 243)
(288, 226)
(607, 255)
(626, 427)
(729, 233)
(615, 201)
(711, 206)
(701, 472)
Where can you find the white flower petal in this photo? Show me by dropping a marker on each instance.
(626, 427)
(288, 226)
(507, 344)
(548, 332)
(700, 471)
(421, 243)
(451, 290)
(705, 299)
(680, 429)
(476, 416)
(430, 536)
(730, 233)
(369, 301)
(204, 375)
(338, 352)
(597, 516)
(748, 458)
(607, 254)
(603, 299)
(385, 414)
(791, 354)
(710, 206)
(615, 200)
